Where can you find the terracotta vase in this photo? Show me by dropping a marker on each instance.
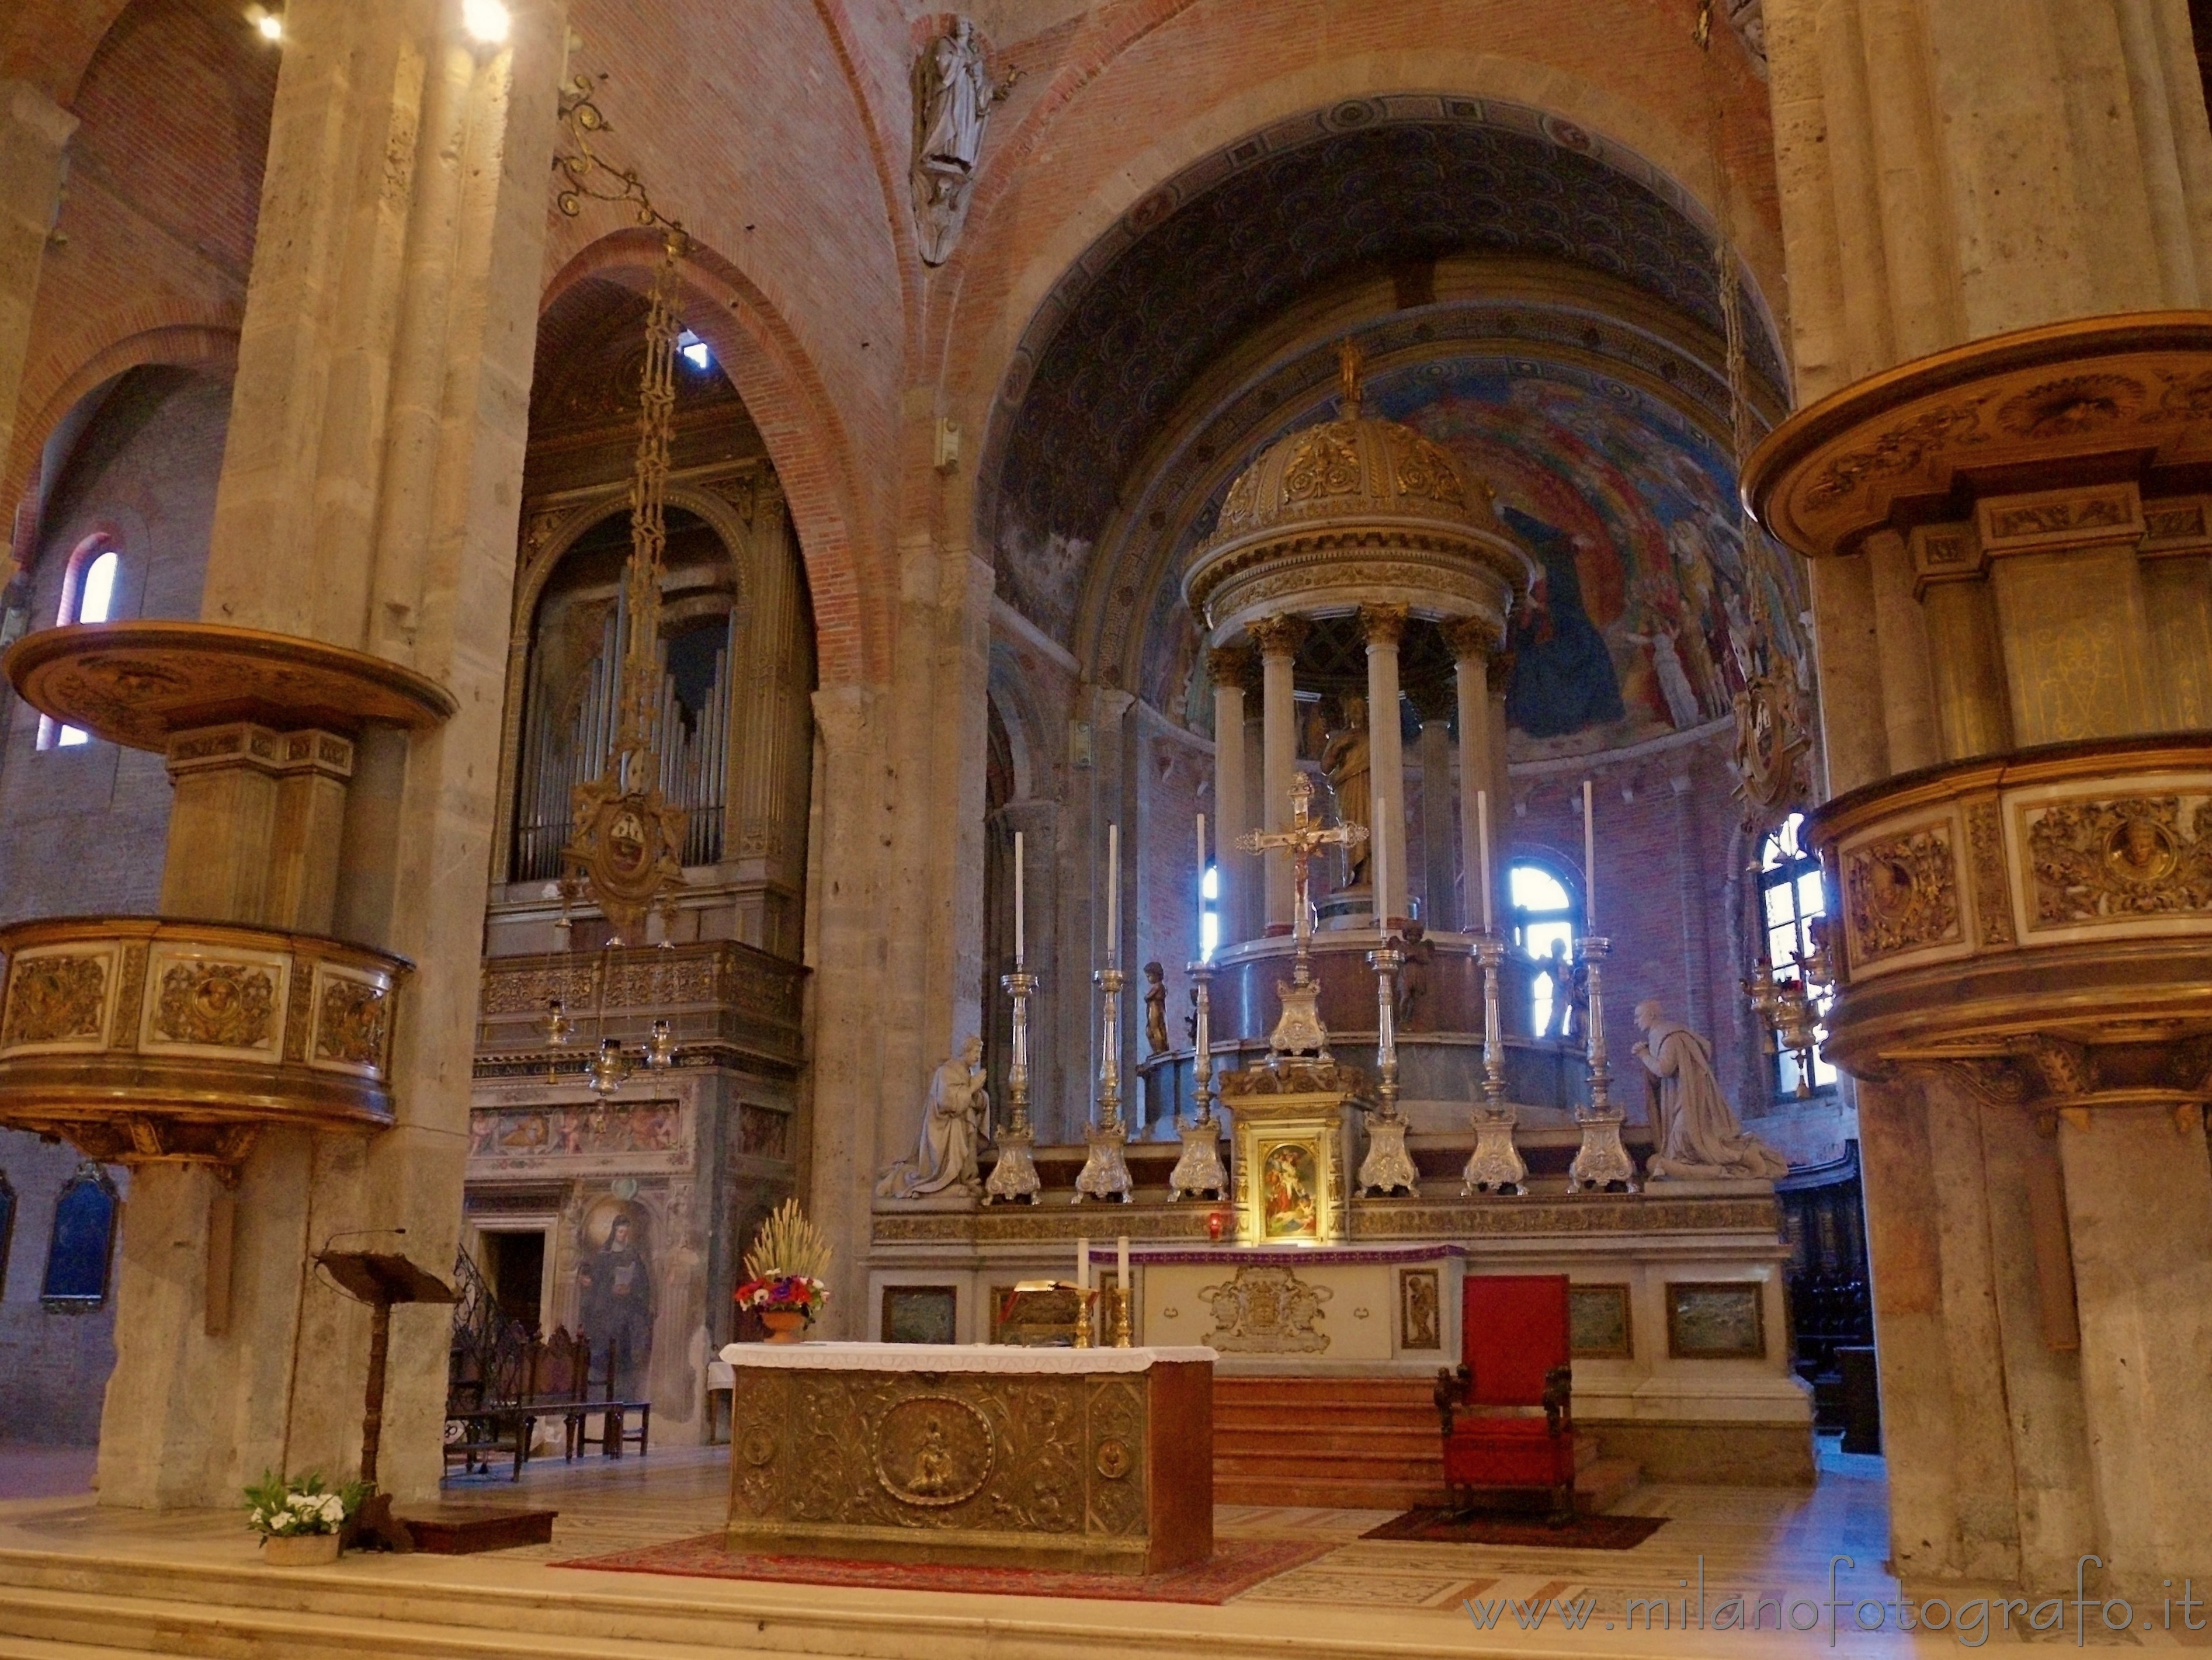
(785, 1325)
(300, 1550)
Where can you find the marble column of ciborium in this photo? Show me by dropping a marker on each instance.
(182, 1039)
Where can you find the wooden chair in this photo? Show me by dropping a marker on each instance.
(614, 1415)
(1508, 1410)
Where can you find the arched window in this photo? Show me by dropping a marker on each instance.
(1790, 897)
(84, 1242)
(1209, 913)
(1543, 912)
(87, 596)
(7, 1228)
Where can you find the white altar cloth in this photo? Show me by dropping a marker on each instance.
(955, 1357)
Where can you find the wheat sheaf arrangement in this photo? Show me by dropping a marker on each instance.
(787, 1269)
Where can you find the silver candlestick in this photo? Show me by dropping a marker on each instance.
(1388, 1169)
(1105, 1174)
(1601, 1163)
(1496, 1165)
(1199, 1173)
(1013, 1179)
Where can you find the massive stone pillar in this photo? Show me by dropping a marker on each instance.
(1234, 670)
(2002, 171)
(1383, 626)
(1473, 639)
(367, 500)
(34, 135)
(1278, 638)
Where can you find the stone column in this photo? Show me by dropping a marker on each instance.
(2139, 1216)
(1383, 626)
(1439, 845)
(369, 499)
(34, 135)
(1472, 640)
(1235, 669)
(1967, 670)
(1908, 697)
(1279, 639)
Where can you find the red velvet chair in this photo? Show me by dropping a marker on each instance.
(1508, 1413)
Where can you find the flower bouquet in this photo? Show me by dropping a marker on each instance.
(788, 1267)
(299, 1518)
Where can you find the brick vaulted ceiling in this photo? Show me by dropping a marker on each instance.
(1375, 184)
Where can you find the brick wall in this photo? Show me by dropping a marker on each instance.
(84, 829)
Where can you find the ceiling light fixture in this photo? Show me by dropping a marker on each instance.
(485, 20)
(269, 23)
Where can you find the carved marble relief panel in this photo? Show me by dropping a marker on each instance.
(2116, 862)
(59, 998)
(201, 1002)
(1900, 892)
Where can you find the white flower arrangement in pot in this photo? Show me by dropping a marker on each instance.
(299, 1518)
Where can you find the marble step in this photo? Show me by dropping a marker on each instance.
(1600, 1484)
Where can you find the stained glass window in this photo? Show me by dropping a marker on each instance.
(1790, 897)
(83, 1241)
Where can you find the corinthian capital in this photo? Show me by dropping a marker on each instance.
(1471, 637)
(1281, 636)
(1382, 625)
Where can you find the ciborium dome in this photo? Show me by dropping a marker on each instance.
(1355, 511)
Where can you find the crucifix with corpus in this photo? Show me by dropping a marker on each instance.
(1300, 1033)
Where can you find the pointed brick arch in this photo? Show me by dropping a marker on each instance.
(798, 423)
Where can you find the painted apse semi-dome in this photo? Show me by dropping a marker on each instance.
(1635, 619)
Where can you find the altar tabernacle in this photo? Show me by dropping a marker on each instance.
(1096, 1460)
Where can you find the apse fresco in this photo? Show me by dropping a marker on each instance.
(1639, 624)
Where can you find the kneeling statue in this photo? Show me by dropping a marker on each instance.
(1694, 1132)
(951, 1124)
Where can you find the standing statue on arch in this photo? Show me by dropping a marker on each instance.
(953, 96)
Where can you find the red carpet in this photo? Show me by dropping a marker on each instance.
(1237, 1565)
(1442, 1527)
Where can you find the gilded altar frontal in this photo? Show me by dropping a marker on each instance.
(1249, 825)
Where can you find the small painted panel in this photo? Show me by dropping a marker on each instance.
(1289, 1197)
(601, 1139)
(1598, 1323)
(921, 1314)
(1720, 1321)
(1418, 1305)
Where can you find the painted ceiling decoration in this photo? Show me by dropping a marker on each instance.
(1373, 184)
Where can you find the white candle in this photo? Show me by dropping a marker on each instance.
(1381, 866)
(1201, 885)
(1021, 939)
(1590, 865)
(1482, 826)
(1113, 895)
(1121, 1264)
(1083, 1265)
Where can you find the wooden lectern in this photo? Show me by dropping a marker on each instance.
(379, 1280)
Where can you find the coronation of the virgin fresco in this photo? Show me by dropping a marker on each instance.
(1640, 621)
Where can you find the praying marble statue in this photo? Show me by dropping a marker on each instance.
(1351, 774)
(1694, 1132)
(952, 100)
(951, 1127)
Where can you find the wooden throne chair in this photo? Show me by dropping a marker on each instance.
(1507, 1409)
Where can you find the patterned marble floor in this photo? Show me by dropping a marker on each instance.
(1406, 1597)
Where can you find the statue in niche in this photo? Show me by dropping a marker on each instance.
(1351, 774)
(1155, 1010)
(952, 100)
(951, 1128)
(1694, 1130)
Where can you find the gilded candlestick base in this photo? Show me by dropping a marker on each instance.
(1122, 1330)
(1105, 1175)
(1199, 1173)
(1496, 1166)
(1601, 1163)
(1013, 1179)
(1387, 1171)
(1082, 1301)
